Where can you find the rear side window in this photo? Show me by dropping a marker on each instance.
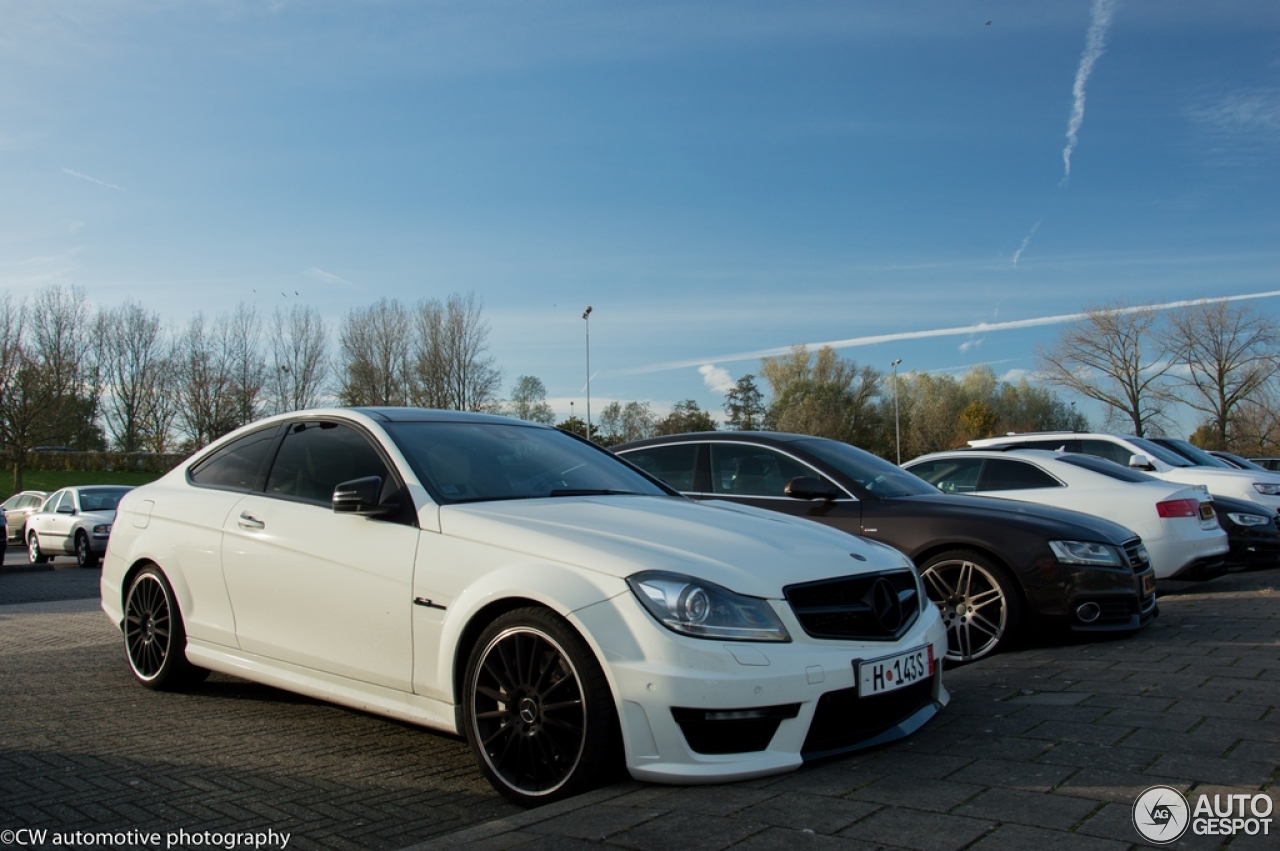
(674, 465)
(236, 466)
(1001, 474)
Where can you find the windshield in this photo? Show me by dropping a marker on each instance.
(478, 462)
(101, 499)
(1104, 466)
(872, 473)
(1155, 450)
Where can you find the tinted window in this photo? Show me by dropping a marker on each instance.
(747, 470)
(1112, 451)
(101, 499)
(316, 457)
(674, 464)
(950, 475)
(1155, 450)
(238, 465)
(1004, 474)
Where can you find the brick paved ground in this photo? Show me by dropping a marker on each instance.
(1046, 747)
(83, 747)
(1040, 749)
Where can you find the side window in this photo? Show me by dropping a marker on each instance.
(316, 457)
(67, 502)
(238, 465)
(1001, 474)
(745, 470)
(950, 475)
(1107, 449)
(674, 465)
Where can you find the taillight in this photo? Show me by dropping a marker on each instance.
(1179, 508)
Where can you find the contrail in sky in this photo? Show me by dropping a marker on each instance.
(1026, 242)
(93, 179)
(980, 328)
(1093, 47)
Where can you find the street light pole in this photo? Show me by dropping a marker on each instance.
(897, 423)
(586, 316)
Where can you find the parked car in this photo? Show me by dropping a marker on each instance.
(993, 570)
(1152, 458)
(1177, 523)
(17, 509)
(1252, 531)
(1238, 461)
(73, 521)
(522, 587)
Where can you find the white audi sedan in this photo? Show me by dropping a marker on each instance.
(1177, 522)
(520, 586)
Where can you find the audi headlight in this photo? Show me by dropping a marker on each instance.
(705, 610)
(1248, 519)
(1086, 552)
(1267, 488)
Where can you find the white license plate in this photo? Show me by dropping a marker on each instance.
(877, 676)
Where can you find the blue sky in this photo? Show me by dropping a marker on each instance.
(716, 179)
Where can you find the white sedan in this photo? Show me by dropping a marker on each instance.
(524, 588)
(73, 521)
(1177, 523)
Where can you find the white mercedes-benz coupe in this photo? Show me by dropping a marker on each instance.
(516, 584)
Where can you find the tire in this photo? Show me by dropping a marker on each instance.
(85, 556)
(34, 553)
(978, 600)
(537, 709)
(155, 640)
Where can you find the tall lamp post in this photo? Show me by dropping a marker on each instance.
(897, 423)
(586, 315)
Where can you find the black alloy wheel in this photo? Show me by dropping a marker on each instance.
(154, 637)
(979, 604)
(538, 711)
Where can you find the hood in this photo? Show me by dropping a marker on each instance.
(91, 517)
(746, 550)
(1046, 520)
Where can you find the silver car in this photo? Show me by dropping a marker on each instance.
(73, 521)
(17, 509)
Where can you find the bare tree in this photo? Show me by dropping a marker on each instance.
(240, 333)
(450, 367)
(203, 373)
(1256, 424)
(61, 325)
(134, 363)
(619, 423)
(1114, 356)
(1230, 353)
(375, 350)
(299, 359)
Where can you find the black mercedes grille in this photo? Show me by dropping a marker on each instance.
(869, 607)
(843, 720)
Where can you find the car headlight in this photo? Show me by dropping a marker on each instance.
(1267, 488)
(1086, 552)
(1248, 519)
(102, 529)
(705, 610)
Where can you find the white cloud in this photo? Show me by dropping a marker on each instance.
(971, 344)
(1025, 242)
(1013, 376)
(329, 278)
(716, 378)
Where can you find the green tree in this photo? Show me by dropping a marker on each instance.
(823, 395)
(619, 423)
(529, 401)
(744, 405)
(685, 417)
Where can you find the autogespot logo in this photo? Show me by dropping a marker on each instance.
(1161, 815)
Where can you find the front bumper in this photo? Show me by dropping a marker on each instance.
(694, 710)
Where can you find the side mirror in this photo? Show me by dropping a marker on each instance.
(809, 487)
(360, 496)
(1141, 462)
(66, 509)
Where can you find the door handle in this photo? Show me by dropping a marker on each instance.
(248, 521)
